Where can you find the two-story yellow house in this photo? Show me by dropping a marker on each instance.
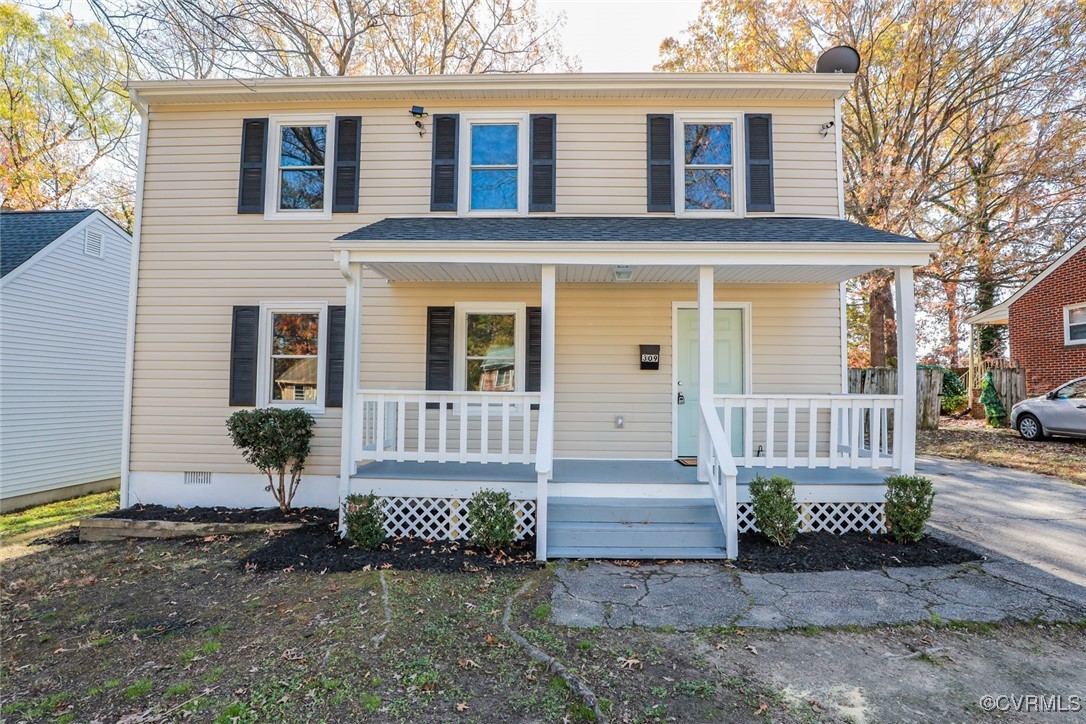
(501, 282)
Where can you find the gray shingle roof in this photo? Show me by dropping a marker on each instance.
(621, 229)
(24, 233)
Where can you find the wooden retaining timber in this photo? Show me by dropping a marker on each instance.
(104, 529)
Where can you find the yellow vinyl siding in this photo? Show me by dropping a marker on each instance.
(199, 258)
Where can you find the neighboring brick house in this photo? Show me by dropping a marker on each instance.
(1047, 322)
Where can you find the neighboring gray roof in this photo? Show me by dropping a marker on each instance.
(620, 229)
(24, 233)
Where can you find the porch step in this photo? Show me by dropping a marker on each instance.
(633, 528)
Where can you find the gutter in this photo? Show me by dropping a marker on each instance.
(133, 288)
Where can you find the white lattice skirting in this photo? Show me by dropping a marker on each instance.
(443, 518)
(831, 517)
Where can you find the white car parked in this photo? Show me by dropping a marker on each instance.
(1059, 412)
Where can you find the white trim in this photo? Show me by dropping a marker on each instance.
(838, 151)
(739, 196)
(271, 166)
(1067, 341)
(844, 338)
(133, 288)
(460, 336)
(747, 309)
(352, 351)
(263, 362)
(463, 171)
(647, 253)
(999, 313)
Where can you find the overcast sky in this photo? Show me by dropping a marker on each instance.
(619, 35)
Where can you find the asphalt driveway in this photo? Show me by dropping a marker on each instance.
(1035, 519)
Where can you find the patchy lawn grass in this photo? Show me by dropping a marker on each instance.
(180, 631)
(22, 526)
(974, 440)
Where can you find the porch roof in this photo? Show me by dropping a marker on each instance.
(623, 229)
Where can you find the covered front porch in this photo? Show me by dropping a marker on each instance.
(593, 464)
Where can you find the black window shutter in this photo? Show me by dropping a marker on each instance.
(345, 176)
(333, 371)
(439, 349)
(443, 178)
(542, 179)
(661, 179)
(759, 162)
(534, 376)
(254, 149)
(243, 353)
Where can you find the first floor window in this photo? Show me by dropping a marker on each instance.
(708, 177)
(491, 351)
(1075, 324)
(294, 346)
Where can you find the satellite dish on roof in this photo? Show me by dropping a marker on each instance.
(842, 59)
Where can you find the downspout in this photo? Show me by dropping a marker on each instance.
(133, 288)
(839, 151)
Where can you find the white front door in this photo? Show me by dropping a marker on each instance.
(730, 375)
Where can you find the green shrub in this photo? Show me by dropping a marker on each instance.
(993, 406)
(775, 510)
(954, 395)
(276, 441)
(492, 520)
(365, 521)
(908, 506)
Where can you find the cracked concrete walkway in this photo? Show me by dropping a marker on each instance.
(687, 596)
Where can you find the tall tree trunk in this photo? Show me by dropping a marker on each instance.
(881, 323)
(950, 289)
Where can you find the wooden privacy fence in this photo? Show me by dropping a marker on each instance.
(883, 381)
(1010, 385)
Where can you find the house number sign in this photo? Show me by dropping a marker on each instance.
(650, 356)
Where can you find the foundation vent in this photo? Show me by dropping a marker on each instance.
(192, 478)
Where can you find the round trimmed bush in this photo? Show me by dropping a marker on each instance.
(775, 510)
(364, 520)
(909, 501)
(492, 520)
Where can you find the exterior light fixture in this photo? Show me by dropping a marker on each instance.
(824, 129)
(622, 273)
(419, 113)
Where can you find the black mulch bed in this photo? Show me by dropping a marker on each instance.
(224, 515)
(67, 537)
(811, 552)
(318, 548)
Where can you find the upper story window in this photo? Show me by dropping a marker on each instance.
(1074, 324)
(493, 178)
(300, 185)
(709, 158)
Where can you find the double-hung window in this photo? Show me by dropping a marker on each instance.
(300, 185)
(293, 347)
(493, 173)
(709, 150)
(490, 347)
(1074, 324)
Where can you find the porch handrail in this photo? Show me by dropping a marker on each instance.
(722, 478)
(819, 430)
(436, 426)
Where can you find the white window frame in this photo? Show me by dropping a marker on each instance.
(264, 360)
(272, 170)
(460, 342)
(1067, 324)
(520, 119)
(739, 195)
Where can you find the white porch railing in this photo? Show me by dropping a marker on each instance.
(856, 431)
(462, 427)
(722, 477)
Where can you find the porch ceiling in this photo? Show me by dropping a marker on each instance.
(604, 273)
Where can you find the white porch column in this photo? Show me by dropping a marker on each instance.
(706, 365)
(545, 433)
(352, 336)
(906, 365)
